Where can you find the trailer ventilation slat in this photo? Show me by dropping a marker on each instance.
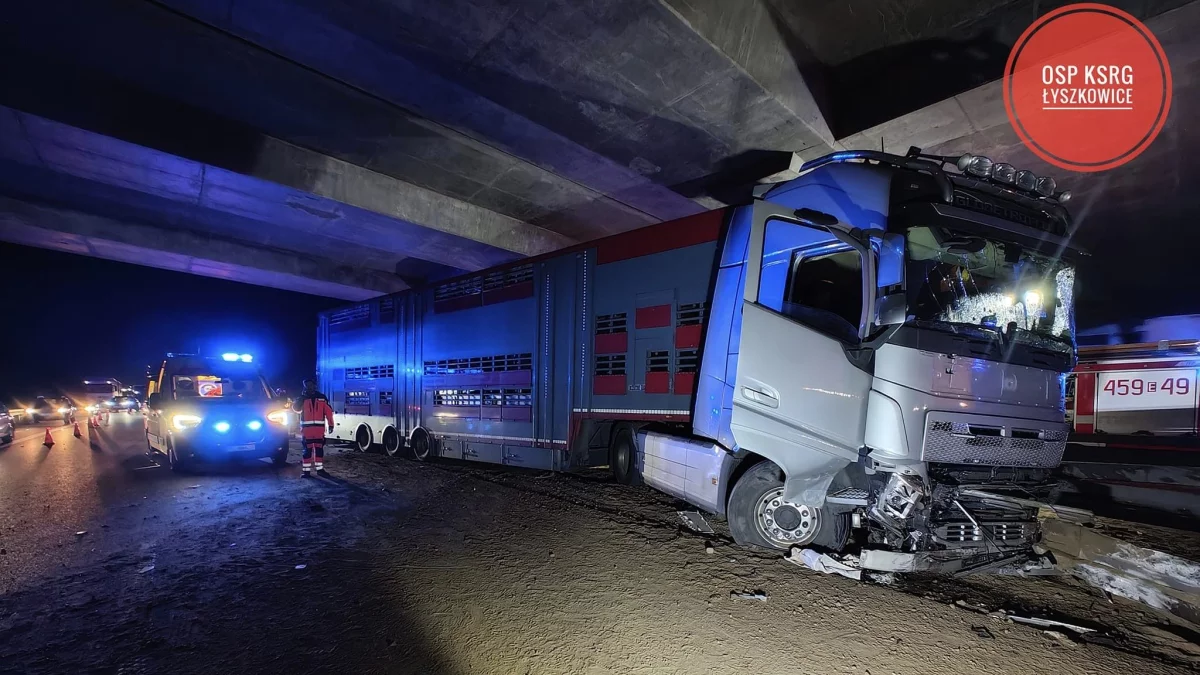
(385, 398)
(480, 364)
(687, 360)
(610, 364)
(691, 314)
(358, 398)
(518, 397)
(611, 323)
(370, 372)
(477, 285)
(350, 318)
(387, 310)
(457, 397)
(658, 362)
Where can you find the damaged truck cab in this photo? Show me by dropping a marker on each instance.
(895, 372)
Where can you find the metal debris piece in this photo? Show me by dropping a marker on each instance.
(1050, 623)
(145, 569)
(80, 533)
(1059, 638)
(748, 595)
(301, 566)
(983, 632)
(695, 522)
(974, 608)
(821, 562)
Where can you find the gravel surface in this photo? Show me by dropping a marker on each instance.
(400, 566)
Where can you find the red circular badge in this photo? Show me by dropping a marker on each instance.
(1087, 87)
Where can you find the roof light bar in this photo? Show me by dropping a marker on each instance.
(983, 167)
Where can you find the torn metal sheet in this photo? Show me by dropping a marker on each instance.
(1050, 623)
(1154, 578)
(821, 562)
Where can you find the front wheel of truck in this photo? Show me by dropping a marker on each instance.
(758, 515)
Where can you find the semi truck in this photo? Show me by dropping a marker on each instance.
(872, 352)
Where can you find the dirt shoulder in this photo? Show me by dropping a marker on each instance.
(411, 567)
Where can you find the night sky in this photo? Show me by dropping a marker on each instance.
(69, 317)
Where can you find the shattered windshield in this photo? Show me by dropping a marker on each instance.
(989, 288)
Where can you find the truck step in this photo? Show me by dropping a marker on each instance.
(848, 496)
(695, 522)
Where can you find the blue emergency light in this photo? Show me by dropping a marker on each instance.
(244, 358)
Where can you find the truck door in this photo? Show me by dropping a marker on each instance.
(800, 396)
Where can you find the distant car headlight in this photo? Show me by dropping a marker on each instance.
(182, 422)
(279, 417)
(30, 411)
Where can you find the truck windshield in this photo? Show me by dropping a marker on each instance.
(989, 288)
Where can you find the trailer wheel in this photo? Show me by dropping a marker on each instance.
(758, 516)
(362, 438)
(622, 458)
(391, 441)
(421, 444)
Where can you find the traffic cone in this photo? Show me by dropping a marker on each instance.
(78, 433)
(49, 439)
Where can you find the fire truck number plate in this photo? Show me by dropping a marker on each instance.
(1145, 389)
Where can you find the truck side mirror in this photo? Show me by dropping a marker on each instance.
(818, 218)
(891, 309)
(154, 400)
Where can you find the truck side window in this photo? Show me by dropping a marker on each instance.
(825, 292)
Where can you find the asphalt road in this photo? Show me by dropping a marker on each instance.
(102, 484)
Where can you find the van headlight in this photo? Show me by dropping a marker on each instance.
(182, 422)
(279, 417)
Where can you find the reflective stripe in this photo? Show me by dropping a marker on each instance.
(312, 424)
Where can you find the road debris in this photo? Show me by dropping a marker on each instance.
(822, 562)
(1059, 638)
(301, 566)
(190, 487)
(968, 606)
(147, 568)
(748, 595)
(983, 632)
(1050, 623)
(80, 533)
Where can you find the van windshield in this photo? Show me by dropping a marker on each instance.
(213, 386)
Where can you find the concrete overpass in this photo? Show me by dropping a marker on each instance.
(350, 149)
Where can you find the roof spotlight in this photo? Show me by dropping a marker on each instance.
(1026, 180)
(1046, 186)
(977, 165)
(1004, 173)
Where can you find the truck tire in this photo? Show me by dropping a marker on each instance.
(362, 438)
(622, 458)
(758, 518)
(422, 445)
(391, 441)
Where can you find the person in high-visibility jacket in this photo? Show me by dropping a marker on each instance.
(316, 415)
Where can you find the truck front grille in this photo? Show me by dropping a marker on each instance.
(967, 442)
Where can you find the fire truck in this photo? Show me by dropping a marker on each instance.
(873, 350)
(1135, 403)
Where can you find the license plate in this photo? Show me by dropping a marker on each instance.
(241, 448)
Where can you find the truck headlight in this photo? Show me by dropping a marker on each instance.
(182, 422)
(279, 417)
